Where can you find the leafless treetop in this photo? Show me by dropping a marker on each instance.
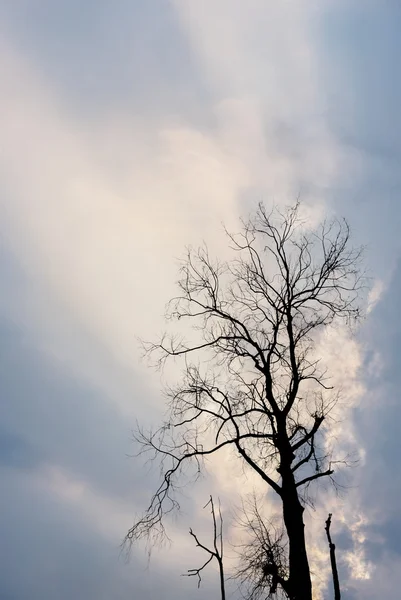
(251, 378)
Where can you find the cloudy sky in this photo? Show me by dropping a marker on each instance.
(130, 129)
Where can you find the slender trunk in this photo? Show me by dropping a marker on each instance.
(300, 585)
(333, 562)
(222, 580)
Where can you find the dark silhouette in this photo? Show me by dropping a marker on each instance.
(215, 553)
(260, 388)
(333, 562)
(263, 560)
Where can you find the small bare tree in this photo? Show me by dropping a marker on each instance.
(263, 559)
(214, 553)
(260, 390)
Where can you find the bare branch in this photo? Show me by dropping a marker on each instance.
(314, 477)
(216, 553)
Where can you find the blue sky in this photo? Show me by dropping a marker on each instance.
(130, 129)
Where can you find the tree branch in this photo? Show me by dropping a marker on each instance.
(216, 553)
(313, 477)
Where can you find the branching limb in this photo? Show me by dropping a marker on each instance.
(308, 435)
(215, 553)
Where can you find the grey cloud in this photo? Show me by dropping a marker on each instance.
(107, 57)
(49, 415)
(48, 551)
(16, 452)
(357, 49)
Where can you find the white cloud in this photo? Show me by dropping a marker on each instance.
(99, 215)
(261, 65)
(375, 294)
(104, 249)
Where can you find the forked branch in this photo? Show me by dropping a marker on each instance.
(216, 552)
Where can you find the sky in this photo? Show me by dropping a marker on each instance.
(129, 130)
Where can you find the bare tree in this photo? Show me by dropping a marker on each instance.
(263, 562)
(260, 389)
(213, 553)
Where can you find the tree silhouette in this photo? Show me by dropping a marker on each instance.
(214, 553)
(260, 389)
(333, 560)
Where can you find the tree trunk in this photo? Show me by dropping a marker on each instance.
(299, 578)
(300, 585)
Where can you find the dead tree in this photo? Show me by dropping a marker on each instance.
(260, 388)
(333, 561)
(215, 553)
